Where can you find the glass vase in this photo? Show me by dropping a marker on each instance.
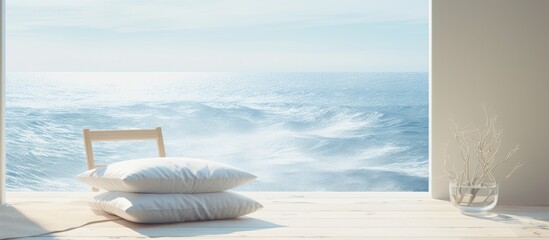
(474, 199)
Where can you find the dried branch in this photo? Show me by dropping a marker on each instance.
(485, 144)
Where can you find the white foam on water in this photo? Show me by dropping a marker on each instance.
(295, 131)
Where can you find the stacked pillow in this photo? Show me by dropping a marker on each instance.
(163, 190)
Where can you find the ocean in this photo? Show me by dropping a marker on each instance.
(295, 131)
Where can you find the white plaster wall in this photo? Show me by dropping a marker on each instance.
(494, 52)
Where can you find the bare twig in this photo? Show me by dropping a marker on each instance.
(482, 144)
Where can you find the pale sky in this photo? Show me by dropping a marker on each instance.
(217, 35)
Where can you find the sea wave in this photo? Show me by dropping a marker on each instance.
(306, 134)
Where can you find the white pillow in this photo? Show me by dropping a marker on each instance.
(166, 208)
(166, 175)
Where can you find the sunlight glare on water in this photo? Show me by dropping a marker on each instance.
(295, 131)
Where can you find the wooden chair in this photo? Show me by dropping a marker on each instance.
(121, 135)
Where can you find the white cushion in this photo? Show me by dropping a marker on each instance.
(166, 208)
(166, 175)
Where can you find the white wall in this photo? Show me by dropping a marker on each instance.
(494, 52)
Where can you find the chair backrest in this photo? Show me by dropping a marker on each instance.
(121, 135)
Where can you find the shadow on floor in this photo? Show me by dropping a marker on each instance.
(13, 224)
(528, 217)
(31, 219)
(200, 228)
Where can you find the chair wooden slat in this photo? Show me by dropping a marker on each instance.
(121, 135)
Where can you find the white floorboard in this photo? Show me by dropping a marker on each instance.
(302, 215)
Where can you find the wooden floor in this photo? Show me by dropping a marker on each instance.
(293, 215)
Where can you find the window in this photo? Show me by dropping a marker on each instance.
(308, 95)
